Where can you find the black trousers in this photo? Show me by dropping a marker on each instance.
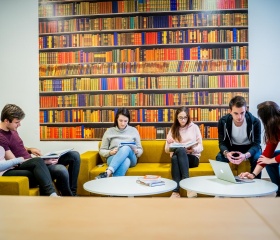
(180, 164)
(38, 174)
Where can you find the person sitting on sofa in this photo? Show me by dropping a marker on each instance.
(66, 179)
(35, 169)
(183, 131)
(239, 135)
(120, 158)
(269, 113)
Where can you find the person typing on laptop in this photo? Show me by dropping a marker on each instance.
(239, 135)
(66, 179)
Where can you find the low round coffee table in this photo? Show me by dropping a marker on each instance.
(211, 185)
(126, 186)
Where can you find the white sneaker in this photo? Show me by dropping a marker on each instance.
(191, 194)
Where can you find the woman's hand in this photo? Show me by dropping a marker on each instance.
(51, 161)
(246, 175)
(265, 160)
(113, 151)
(189, 150)
(170, 140)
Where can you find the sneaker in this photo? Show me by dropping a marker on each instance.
(175, 195)
(102, 175)
(191, 194)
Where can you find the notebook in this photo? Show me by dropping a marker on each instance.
(223, 171)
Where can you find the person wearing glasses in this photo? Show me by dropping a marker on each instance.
(239, 135)
(183, 131)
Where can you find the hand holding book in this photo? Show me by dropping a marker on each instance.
(174, 146)
(132, 145)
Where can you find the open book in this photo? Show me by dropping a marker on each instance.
(56, 154)
(174, 146)
(130, 144)
(150, 180)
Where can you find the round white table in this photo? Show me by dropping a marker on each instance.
(126, 186)
(211, 185)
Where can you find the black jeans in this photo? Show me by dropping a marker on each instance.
(66, 180)
(180, 164)
(38, 174)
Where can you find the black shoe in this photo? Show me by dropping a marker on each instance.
(102, 175)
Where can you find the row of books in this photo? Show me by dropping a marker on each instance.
(139, 55)
(140, 99)
(144, 38)
(145, 132)
(84, 8)
(138, 83)
(137, 115)
(145, 67)
(142, 22)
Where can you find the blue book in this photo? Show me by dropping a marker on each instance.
(115, 39)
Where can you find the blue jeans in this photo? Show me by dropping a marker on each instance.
(121, 161)
(180, 164)
(273, 172)
(66, 179)
(38, 174)
(253, 161)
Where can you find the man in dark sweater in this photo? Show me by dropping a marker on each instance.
(239, 135)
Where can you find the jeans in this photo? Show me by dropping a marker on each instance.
(121, 161)
(273, 172)
(253, 161)
(37, 172)
(66, 180)
(180, 164)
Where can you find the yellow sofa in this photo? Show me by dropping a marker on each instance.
(16, 186)
(154, 160)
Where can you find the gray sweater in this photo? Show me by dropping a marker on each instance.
(7, 164)
(114, 136)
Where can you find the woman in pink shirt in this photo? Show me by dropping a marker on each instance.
(183, 131)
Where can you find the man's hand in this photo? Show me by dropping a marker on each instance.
(51, 161)
(236, 157)
(35, 152)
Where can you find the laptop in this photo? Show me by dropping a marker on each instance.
(223, 171)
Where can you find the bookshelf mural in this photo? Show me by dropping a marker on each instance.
(150, 56)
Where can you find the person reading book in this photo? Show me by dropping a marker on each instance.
(120, 157)
(239, 135)
(66, 179)
(269, 113)
(183, 131)
(33, 168)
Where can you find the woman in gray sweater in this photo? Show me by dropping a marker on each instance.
(120, 156)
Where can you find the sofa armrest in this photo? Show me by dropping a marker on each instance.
(88, 161)
(14, 186)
